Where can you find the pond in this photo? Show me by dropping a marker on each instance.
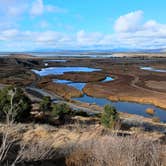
(129, 107)
(62, 70)
(107, 79)
(77, 85)
(153, 69)
(56, 60)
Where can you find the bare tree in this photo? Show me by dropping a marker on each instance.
(6, 141)
(27, 151)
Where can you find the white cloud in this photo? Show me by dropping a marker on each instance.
(129, 22)
(55, 9)
(37, 8)
(8, 34)
(12, 13)
(150, 24)
(52, 39)
(12, 10)
(16, 10)
(88, 38)
(43, 24)
(133, 34)
(48, 36)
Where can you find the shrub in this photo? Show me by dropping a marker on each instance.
(45, 104)
(38, 150)
(109, 117)
(14, 104)
(60, 110)
(16, 152)
(81, 113)
(156, 119)
(150, 111)
(112, 150)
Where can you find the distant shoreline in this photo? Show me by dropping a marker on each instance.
(82, 54)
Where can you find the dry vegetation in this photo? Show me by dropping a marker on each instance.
(119, 151)
(78, 145)
(78, 141)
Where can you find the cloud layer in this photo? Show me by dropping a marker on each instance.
(130, 30)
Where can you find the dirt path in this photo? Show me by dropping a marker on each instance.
(45, 93)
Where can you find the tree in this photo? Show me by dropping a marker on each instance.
(109, 117)
(45, 104)
(14, 104)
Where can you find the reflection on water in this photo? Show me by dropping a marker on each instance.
(61, 70)
(129, 107)
(153, 69)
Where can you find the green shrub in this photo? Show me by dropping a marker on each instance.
(59, 110)
(45, 104)
(109, 117)
(81, 113)
(14, 104)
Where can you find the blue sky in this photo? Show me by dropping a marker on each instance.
(27, 25)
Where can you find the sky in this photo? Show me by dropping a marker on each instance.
(27, 25)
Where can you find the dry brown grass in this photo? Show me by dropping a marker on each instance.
(86, 145)
(117, 151)
(150, 111)
(36, 151)
(15, 150)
